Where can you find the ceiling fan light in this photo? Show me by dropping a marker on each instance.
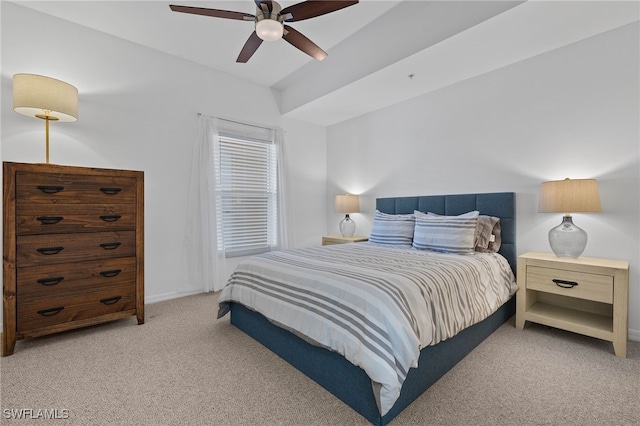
(269, 29)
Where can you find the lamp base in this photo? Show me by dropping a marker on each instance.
(566, 239)
(347, 226)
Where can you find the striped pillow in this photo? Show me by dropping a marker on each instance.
(450, 234)
(392, 229)
(488, 233)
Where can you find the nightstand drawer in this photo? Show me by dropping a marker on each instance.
(337, 239)
(579, 285)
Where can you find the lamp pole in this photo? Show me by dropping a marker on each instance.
(46, 117)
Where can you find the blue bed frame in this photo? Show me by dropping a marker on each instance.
(350, 383)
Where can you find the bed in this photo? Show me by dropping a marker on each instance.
(380, 403)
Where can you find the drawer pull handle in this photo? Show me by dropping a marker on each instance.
(110, 191)
(110, 273)
(49, 250)
(51, 311)
(49, 220)
(50, 189)
(565, 284)
(110, 246)
(110, 218)
(50, 281)
(110, 300)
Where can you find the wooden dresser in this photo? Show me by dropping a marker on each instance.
(73, 248)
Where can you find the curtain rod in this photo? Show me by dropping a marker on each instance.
(239, 122)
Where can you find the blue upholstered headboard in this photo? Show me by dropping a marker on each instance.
(499, 204)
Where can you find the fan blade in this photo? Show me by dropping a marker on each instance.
(298, 40)
(268, 2)
(216, 13)
(249, 48)
(313, 8)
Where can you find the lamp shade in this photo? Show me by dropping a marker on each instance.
(569, 195)
(347, 203)
(39, 96)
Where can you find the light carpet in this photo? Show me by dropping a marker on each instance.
(184, 367)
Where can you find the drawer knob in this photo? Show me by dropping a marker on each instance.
(51, 311)
(50, 281)
(110, 246)
(50, 189)
(49, 250)
(110, 190)
(110, 218)
(110, 273)
(110, 300)
(565, 284)
(49, 220)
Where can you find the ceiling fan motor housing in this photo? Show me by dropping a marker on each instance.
(269, 23)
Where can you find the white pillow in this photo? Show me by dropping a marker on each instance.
(392, 229)
(449, 234)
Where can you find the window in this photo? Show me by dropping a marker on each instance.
(248, 188)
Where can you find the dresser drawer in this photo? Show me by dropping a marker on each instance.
(51, 281)
(580, 285)
(69, 218)
(34, 314)
(54, 188)
(34, 250)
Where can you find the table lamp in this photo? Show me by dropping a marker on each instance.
(347, 203)
(569, 195)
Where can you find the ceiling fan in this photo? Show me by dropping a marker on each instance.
(270, 24)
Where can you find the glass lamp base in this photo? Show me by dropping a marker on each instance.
(567, 240)
(347, 227)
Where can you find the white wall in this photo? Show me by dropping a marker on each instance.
(573, 112)
(138, 110)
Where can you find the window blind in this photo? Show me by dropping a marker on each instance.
(249, 197)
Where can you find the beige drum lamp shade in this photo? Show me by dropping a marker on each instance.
(347, 203)
(45, 98)
(570, 196)
(38, 96)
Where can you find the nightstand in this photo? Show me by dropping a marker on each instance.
(586, 295)
(339, 239)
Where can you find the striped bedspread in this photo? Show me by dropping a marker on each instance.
(376, 305)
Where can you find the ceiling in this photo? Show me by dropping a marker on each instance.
(380, 52)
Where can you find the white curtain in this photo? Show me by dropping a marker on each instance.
(203, 263)
(283, 235)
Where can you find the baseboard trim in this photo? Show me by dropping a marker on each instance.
(169, 296)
